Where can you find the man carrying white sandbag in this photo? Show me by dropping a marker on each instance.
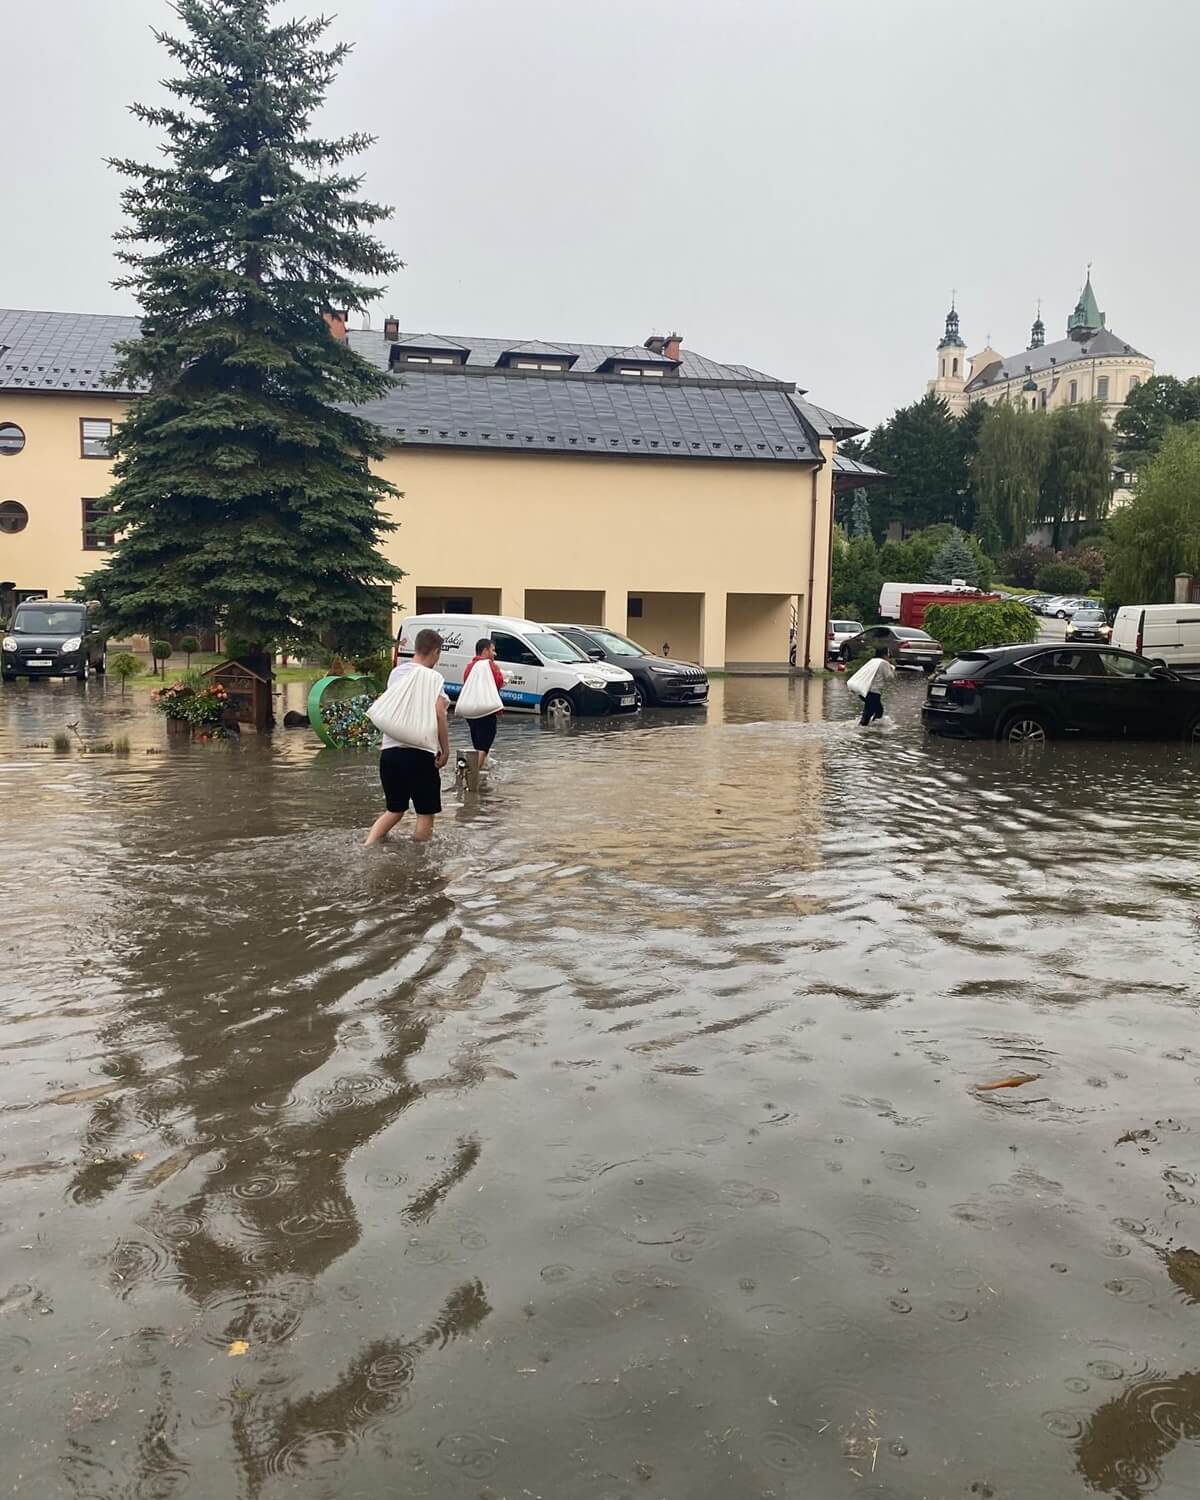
(411, 715)
(869, 682)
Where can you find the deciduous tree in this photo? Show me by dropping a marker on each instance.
(1007, 471)
(1076, 481)
(1157, 535)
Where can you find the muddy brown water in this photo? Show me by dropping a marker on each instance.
(625, 1142)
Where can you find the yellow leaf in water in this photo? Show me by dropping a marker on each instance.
(137, 1156)
(239, 1346)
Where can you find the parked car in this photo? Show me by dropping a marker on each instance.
(51, 638)
(1063, 608)
(906, 647)
(1089, 625)
(543, 672)
(840, 631)
(656, 679)
(1169, 633)
(1029, 694)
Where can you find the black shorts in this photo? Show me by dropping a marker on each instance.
(410, 776)
(483, 731)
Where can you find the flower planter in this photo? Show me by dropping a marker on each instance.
(340, 719)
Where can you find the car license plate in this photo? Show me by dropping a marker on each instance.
(937, 692)
(628, 702)
(39, 663)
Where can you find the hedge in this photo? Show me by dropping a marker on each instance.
(969, 627)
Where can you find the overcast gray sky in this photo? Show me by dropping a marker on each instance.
(791, 184)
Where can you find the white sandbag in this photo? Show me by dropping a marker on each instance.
(863, 681)
(406, 710)
(480, 695)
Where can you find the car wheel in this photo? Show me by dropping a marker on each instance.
(101, 666)
(84, 672)
(559, 709)
(1061, 614)
(645, 698)
(1191, 735)
(1026, 728)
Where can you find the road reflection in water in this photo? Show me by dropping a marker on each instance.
(627, 1141)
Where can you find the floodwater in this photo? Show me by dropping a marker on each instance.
(625, 1142)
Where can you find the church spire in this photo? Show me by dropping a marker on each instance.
(1037, 334)
(951, 338)
(1087, 319)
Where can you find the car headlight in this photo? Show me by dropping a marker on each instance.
(10, 643)
(594, 682)
(72, 645)
(665, 672)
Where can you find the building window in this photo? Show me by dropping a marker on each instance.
(943, 369)
(1134, 382)
(1045, 396)
(95, 537)
(1102, 388)
(13, 517)
(1073, 390)
(634, 608)
(530, 364)
(12, 439)
(94, 433)
(956, 367)
(645, 374)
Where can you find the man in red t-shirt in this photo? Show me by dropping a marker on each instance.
(483, 730)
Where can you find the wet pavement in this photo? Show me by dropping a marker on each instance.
(625, 1142)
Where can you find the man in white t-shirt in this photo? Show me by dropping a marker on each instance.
(411, 775)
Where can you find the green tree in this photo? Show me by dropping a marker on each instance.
(189, 645)
(159, 651)
(1157, 535)
(243, 494)
(123, 666)
(954, 559)
(1007, 473)
(912, 561)
(1076, 481)
(1062, 578)
(1156, 405)
(967, 430)
(919, 447)
(971, 627)
(860, 514)
(856, 580)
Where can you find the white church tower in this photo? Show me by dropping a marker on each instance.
(951, 375)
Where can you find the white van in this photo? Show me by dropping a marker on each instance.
(543, 672)
(1169, 633)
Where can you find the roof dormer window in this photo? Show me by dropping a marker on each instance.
(637, 362)
(428, 349)
(641, 371)
(536, 355)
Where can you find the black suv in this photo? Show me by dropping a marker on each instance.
(51, 638)
(657, 679)
(1030, 693)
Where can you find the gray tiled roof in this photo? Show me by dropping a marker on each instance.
(845, 467)
(704, 409)
(53, 351)
(827, 423)
(554, 414)
(1061, 352)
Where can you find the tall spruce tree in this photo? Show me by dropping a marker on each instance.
(954, 559)
(243, 495)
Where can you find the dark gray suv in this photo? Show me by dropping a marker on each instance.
(657, 679)
(51, 638)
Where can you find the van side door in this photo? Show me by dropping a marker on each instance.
(522, 668)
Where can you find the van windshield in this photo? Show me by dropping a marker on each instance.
(555, 647)
(48, 619)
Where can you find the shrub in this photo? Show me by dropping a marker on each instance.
(189, 645)
(160, 650)
(969, 627)
(124, 665)
(1090, 558)
(1062, 578)
(1021, 565)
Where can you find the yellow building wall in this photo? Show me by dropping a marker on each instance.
(567, 607)
(670, 620)
(51, 480)
(517, 530)
(756, 628)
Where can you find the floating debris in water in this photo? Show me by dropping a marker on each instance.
(346, 722)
